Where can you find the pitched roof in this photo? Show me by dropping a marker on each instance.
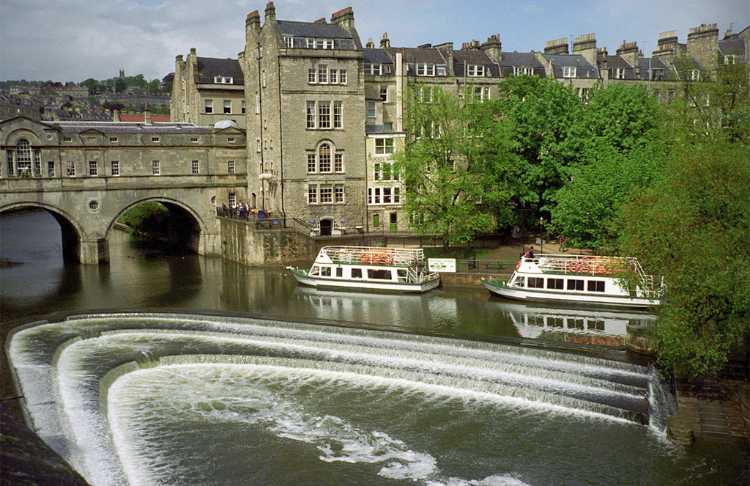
(617, 62)
(584, 70)
(377, 56)
(428, 55)
(210, 67)
(313, 29)
(115, 127)
(474, 57)
(732, 46)
(647, 64)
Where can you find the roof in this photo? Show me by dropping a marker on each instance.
(115, 127)
(651, 63)
(313, 29)
(377, 56)
(584, 70)
(210, 67)
(474, 57)
(427, 55)
(139, 117)
(617, 62)
(511, 60)
(732, 46)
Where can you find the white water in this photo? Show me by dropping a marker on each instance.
(506, 376)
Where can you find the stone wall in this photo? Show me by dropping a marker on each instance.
(243, 243)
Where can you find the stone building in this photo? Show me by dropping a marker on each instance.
(206, 90)
(325, 113)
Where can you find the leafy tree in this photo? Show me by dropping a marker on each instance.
(154, 86)
(692, 227)
(540, 113)
(454, 165)
(120, 85)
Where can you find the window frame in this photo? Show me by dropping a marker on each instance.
(231, 167)
(195, 167)
(155, 168)
(208, 106)
(93, 168)
(114, 168)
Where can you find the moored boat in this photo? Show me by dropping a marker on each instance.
(367, 268)
(579, 279)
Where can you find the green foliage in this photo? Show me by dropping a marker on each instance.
(139, 216)
(692, 227)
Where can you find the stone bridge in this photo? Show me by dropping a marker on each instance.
(88, 176)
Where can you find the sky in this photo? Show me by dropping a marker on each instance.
(71, 40)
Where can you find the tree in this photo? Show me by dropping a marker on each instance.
(540, 113)
(154, 86)
(692, 227)
(453, 165)
(93, 86)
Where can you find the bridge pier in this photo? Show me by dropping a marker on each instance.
(93, 252)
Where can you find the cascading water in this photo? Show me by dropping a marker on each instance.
(172, 399)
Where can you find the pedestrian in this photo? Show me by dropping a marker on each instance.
(562, 243)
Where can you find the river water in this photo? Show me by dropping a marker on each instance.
(157, 391)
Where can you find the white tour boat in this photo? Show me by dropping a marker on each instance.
(369, 268)
(582, 279)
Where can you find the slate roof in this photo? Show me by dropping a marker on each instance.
(313, 30)
(209, 67)
(584, 70)
(427, 55)
(377, 56)
(652, 63)
(520, 59)
(110, 127)
(473, 56)
(616, 62)
(733, 46)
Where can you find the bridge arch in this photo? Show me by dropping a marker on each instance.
(196, 234)
(71, 230)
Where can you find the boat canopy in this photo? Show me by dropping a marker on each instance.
(371, 255)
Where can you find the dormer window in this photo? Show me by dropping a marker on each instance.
(475, 70)
(695, 75)
(730, 59)
(374, 69)
(327, 43)
(620, 73)
(223, 80)
(289, 41)
(569, 71)
(442, 70)
(657, 74)
(425, 69)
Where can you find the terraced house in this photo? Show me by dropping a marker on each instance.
(324, 113)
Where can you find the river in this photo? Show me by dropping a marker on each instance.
(376, 391)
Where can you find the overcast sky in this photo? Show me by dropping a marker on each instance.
(71, 40)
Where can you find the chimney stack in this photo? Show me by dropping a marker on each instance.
(493, 47)
(556, 46)
(344, 18)
(370, 44)
(703, 44)
(270, 12)
(252, 21)
(385, 42)
(629, 52)
(585, 45)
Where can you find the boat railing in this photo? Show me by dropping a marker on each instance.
(418, 277)
(366, 255)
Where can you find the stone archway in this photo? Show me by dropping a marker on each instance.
(75, 245)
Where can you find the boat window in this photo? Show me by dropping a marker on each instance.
(339, 272)
(379, 274)
(401, 272)
(574, 284)
(325, 271)
(575, 324)
(536, 320)
(555, 283)
(356, 273)
(315, 270)
(536, 283)
(597, 325)
(595, 286)
(520, 282)
(555, 322)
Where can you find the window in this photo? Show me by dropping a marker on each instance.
(289, 41)
(227, 107)
(374, 69)
(195, 167)
(208, 106)
(536, 283)
(338, 120)
(155, 167)
(378, 274)
(475, 71)
(730, 59)
(322, 74)
(67, 139)
(386, 195)
(194, 140)
(376, 220)
(338, 162)
(155, 139)
(396, 195)
(620, 73)
(425, 94)
(324, 114)
(310, 43)
(356, 273)
(230, 167)
(315, 270)
(695, 75)
(338, 193)
(384, 93)
(115, 168)
(93, 169)
(555, 283)
(657, 74)
(326, 193)
(70, 170)
(311, 163)
(574, 284)
(325, 271)
(244, 107)
(425, 69)
(523, 71)
(50, 168)
(333, 76)
(371, 111)
(223, 80)
(442, 70)
(231, 140)
(555, 322)
(569, 71)
(37, 167)
(595, 325)
(232, 198)
(312, 194)
(342, 76)
(324, 157)
(339, 272)
(312, 75)
(595, 286)
(23, 158)
(383, 146)
(113, 140)
(310, 114)
(520, 281)
(327, 43)
(378, 172)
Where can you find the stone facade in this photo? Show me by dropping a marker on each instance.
(88, 173)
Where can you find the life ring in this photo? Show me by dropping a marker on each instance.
(518, 264)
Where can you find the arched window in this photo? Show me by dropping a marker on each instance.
(324, 157)
(23, 157)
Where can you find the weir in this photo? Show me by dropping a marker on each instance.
(67, 371)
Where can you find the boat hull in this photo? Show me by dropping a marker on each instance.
(577, 299)
(363, 286)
